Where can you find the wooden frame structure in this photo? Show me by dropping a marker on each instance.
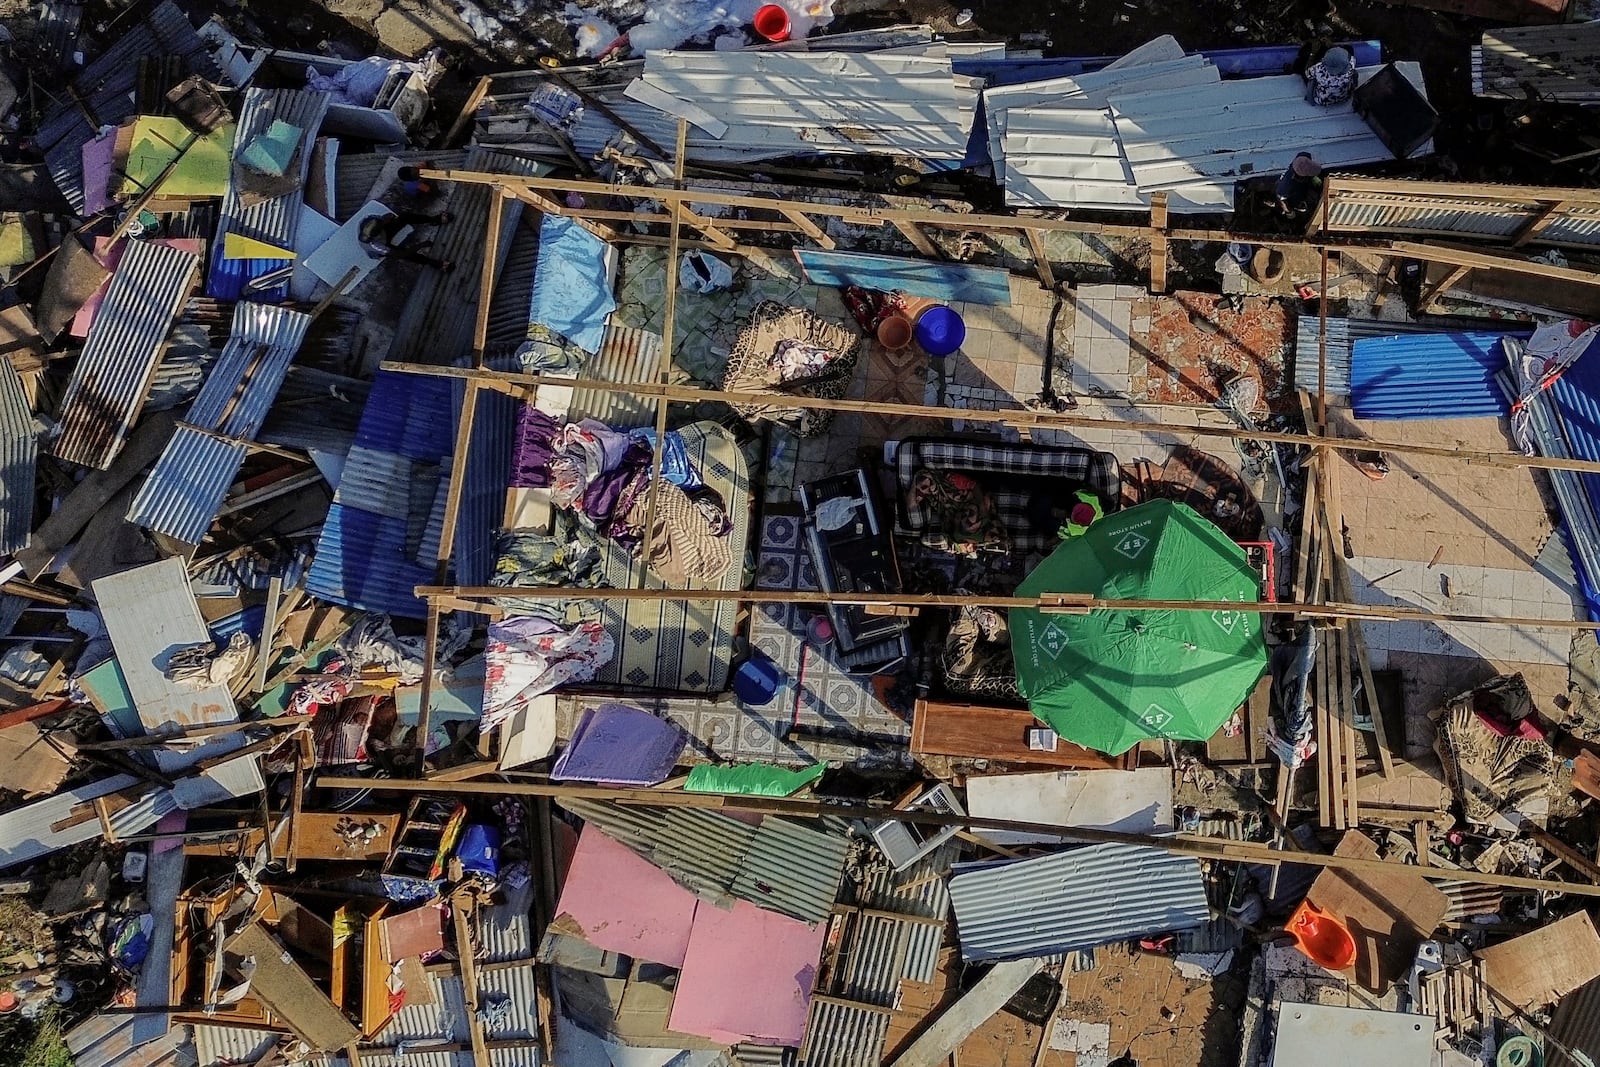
(1323, 595)
(1512, 215)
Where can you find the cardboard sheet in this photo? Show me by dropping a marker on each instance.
(1541, 967)
(202, 170)
(1389, 915)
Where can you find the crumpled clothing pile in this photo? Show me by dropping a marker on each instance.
(528, 656)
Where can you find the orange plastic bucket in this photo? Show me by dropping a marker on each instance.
(1322, 937)
(772, 22)
(894, 332)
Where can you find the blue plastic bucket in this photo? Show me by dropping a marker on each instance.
(940, 331)
(757, 681)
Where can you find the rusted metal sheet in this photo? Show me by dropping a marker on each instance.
(118, 363)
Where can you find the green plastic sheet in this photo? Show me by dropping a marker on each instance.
(751, 779)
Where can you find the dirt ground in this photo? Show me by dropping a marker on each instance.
(1157, 1017)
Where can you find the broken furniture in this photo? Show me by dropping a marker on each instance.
(904, 843)
(852, 552)
(1019, 480)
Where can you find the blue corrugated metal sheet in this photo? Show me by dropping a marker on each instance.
(186, 488)
(1566, 422)
(1427, 376)
(104, 93)
(375, 547)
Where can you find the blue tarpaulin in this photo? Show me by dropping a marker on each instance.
(1427, 376)
(571, 293)
(918, 277)
(1231, 62)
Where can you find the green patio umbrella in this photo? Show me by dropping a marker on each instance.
(1112, 678)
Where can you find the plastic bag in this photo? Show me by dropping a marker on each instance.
(701, 273)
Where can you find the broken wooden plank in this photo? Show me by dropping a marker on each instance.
(957, 1022)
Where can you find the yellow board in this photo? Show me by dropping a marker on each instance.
(237, 246)
(201, 173)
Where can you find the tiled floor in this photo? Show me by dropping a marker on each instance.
(817, 691)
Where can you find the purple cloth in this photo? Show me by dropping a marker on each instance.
(620, 744)
(610, 494)
(534, 448)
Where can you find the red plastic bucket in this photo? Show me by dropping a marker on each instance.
(772, 22)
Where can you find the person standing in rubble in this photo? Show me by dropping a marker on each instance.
(387, 237)
(1299, 185)
(1331, 80)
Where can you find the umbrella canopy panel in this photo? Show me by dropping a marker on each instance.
(1109, 679)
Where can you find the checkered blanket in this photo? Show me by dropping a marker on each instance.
(1012, 475)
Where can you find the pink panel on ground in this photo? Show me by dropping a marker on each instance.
(624, 903)
(99, 157)
(109, 254)
(747, 976)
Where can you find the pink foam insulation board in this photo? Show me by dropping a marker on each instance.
(623, 903)
(747, 976)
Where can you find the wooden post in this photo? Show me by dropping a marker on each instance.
(469, 977)
(1158, 241)
(918, 239)
(1041, 259)
(1450, 280)
(669, 331)
(809, 228)
(468, 110)
(486, 279)
(1541, 222)
(1176, 844)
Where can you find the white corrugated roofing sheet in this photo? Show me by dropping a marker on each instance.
(1145, 70)
(1171, 125)
(789, 103)
(1076, 899)
(1241, 129)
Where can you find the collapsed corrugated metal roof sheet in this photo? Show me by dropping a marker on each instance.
(105, 92)
(1112, 138)
(19, 459)
(803, 103)
(1427, 376)
(31, 831)
(509, 987)
(105, 1039)
(273, 220)
(118, 362)
(375, 549)
(1547, 62)
(1234, 130)
(437, 322)
(185, 489)
(881, 951)
(1075, 899)
(1343, 332)
(779, 865)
